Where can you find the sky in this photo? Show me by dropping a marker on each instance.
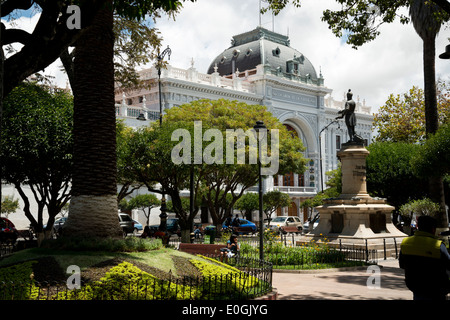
(392, 63)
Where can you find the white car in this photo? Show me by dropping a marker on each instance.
(285, 221)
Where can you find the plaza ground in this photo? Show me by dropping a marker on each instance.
(342, 285)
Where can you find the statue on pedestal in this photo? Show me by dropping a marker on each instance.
(350, 118)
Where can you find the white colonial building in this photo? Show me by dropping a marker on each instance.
(262, 68)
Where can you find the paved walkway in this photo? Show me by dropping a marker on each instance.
(343, 285)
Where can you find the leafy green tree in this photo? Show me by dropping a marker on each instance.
(225, 179)
(273, 200)
(248, 203)
(94, 185)
(433, 158)
(143, 202)
(37, 146)
(149, 160)
(390, 174)
(9, 205)
(417, 208)
(125, 178)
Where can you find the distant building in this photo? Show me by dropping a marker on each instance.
(262, 68)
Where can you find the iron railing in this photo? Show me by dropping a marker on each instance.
(251, 278)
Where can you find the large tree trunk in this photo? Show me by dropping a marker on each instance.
(93, 207)
(436, 185)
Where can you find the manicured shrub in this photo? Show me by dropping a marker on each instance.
(17, 283)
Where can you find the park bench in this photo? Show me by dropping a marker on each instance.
(291, 229)
(201, 248)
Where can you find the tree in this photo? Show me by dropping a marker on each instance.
(149, 160)
(134, 44)
(433, 157)
(248, 203)
(273, 200)
(94, 184)
(417, 208)
(390, 174)
(9, 205)
(402, 117)
(94, 55)
(427, 20)
(52, 35)
(142, 202)
(224, 178)
(125, 179)
(37, 146)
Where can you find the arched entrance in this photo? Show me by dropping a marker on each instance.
(290, 179)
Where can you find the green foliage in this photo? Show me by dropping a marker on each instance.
(433, 158)
(312, 255)
(128, 244)
(247, 203)
(221, 279)
(275, 199)
(390, 174)
(16, 282)
(143, 201)
(128, 282)
(424, 207)
(37, 147)
(9, 205)
(402, 118)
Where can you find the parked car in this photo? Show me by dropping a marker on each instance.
(284, 221)
(172, 226)
(306, 225)
(137, 226)
(243, 223)
(126, 223)
(59, 224)
(8, 232)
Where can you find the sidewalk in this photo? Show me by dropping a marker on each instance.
(342, 285)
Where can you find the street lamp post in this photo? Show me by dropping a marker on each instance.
(260, 129)
(160, 58)
(163, 215)
(320, 149)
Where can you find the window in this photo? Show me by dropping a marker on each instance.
(338, 142)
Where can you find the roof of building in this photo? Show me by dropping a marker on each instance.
(261, 46)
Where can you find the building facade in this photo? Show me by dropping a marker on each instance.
(262, 68)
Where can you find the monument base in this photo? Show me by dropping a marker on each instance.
(354, 217)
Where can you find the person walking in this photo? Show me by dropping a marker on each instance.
(426, 262)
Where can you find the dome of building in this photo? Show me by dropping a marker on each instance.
(261, 46)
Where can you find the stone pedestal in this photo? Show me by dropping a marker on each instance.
(355, 217)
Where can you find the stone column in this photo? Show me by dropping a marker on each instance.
(353, 159)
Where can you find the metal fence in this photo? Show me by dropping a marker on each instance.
(252, 278)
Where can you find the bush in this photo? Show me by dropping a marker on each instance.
(220, 279)
(127, 282)
(16, 282)
(128, 244)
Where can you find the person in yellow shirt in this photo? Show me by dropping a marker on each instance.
(426, 262)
